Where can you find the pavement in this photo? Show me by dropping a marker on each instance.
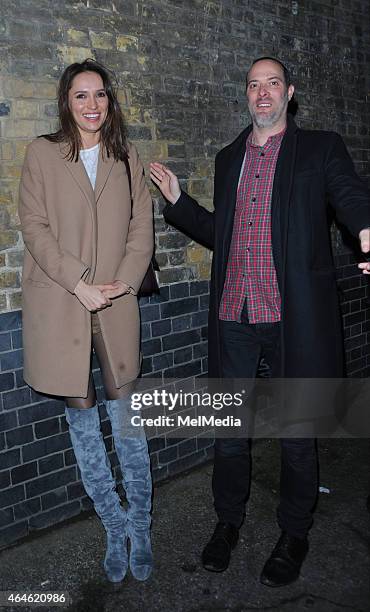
(334, 577)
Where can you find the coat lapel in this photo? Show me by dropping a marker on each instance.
(105, 165)
(281, 196)
(232, 173)
(78, 172)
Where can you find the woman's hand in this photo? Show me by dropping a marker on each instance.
(91, 296)
(115, 289)
(166, 181)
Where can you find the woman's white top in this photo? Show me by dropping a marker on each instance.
(90, 161)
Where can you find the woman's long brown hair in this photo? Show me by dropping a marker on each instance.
(113, 133)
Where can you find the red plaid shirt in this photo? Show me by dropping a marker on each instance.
(251, 273)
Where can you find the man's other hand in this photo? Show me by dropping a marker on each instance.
(364, 237)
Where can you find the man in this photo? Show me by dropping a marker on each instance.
(273, 290)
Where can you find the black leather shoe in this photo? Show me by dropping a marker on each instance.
(284, 564)
(216, 555)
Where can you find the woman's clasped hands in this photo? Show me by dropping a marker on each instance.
(97, 297)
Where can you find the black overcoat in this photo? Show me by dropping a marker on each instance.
(313, 170)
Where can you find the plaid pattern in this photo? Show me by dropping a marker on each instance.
(251, 273)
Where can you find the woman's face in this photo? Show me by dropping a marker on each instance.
(88, 102)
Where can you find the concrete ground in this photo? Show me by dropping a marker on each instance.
(335, 576)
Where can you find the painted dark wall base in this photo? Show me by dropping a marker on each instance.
(39, 479)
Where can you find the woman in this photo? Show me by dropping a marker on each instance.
(87, 249)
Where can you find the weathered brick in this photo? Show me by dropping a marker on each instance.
(150, 313)
(51, 464)
(147, 365)
(77, 37)
(9, 278)
(19, 436)
(10, 458)
(6, 516)
(49, 427)
(150, 347)
(9, 497)
(126, 42)
(194, 368)
(161, 328)
(55, 498)
(183, 355)
(187, 447)
(19, 397)
(179, 290)
(76, 489)
(40, 411)
(6, 381)
(46, 446)
(181, 339)
(8, 239)
(102, 40)
(181, 323)
(24, 472)
(168, 454)
(8, 420)
(72, 54)
(199, 318)
(54, 516)
(4, 109)
(11, 360)
(25, 109)
(17, 340)
(162, 361)
(155, 444)
(179, 307)
(199, 287)
(51, 481)
(27, 508)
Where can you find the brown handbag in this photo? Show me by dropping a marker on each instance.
(150, 283)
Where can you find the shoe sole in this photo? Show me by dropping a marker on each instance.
(269, 583)
(211, 568)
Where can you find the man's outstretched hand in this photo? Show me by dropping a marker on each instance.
(364, 237)
(166, 181)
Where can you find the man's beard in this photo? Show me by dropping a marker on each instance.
(266, 121)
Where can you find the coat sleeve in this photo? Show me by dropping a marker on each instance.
(347, 193)
(60, 265)
(139, 244)
(191, 219)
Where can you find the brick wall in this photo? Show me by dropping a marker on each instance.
(181, 70)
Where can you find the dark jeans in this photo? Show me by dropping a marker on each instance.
(243, 346)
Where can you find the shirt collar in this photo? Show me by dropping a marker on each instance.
(272, 141)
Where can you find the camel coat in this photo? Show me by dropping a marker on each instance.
(71, 231)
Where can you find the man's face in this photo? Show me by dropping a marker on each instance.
(267, 94)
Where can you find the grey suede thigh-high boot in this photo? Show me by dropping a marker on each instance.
(96, 475)
(132, 451)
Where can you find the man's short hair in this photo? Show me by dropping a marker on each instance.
(287, 76)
